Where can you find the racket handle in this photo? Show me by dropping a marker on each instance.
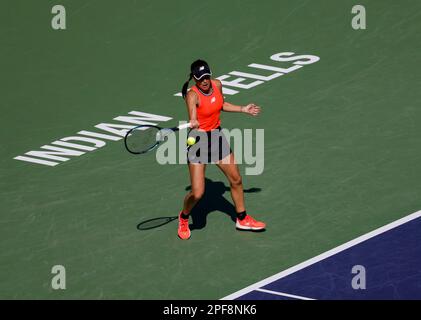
(184, 126)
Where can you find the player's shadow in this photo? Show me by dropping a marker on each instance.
(213, 200)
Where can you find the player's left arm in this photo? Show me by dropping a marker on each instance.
(229, 107)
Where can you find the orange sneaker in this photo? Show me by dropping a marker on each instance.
(248, 223)
(183, 228)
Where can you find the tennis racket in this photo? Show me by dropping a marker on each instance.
(144, 138)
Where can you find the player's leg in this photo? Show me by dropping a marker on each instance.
(197, 179)
(231, 171)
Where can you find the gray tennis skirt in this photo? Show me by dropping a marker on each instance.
(210, 147)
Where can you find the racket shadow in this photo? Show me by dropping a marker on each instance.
(155, 223)
(213, 200)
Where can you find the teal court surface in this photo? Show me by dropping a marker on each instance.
(340, 189)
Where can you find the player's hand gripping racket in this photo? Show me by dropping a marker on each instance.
(144, 138)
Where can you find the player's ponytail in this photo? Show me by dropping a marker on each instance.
(196, 64)
(185, 86)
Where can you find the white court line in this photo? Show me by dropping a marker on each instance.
(323, 256)
(283, 294)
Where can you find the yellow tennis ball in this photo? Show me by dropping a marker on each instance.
(191, 141)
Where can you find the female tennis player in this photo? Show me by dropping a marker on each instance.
(205, 103)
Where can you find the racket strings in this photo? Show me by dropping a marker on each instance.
(142, 139)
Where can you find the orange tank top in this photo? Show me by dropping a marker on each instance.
(209, 108)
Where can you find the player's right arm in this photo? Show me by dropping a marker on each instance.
(192, 102)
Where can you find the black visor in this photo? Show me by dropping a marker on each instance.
(200, 71)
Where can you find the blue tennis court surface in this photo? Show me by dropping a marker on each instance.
(390, 257)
